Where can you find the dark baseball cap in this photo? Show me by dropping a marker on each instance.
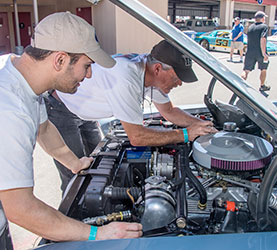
(237, 18)
(260, 14)
(168, 54)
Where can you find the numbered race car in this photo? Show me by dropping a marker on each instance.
(220, 40)
(218, 192)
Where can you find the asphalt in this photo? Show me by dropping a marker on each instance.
(47, 180)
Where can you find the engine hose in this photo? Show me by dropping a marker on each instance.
(199, 187)
(266, 188)
(122, 193)
(196, 183)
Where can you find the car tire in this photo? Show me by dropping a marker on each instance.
(205, 44)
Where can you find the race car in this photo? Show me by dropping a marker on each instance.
(220, 40)
(217, 40)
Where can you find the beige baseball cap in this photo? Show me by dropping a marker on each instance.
(66, 32)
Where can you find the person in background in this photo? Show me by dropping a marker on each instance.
(60, 56)
(256, 49)
(237, 40)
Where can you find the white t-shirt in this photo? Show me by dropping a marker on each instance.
(117, 91)
(21, 112)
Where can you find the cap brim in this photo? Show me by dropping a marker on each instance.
(185, 75)
(102, 58)
(260, 16)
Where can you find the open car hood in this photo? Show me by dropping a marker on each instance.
(259, 109)
(89, 195)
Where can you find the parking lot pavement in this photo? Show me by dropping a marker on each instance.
(46, 176)
(193, 93)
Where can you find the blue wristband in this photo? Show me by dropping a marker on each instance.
(186, 136)
(93, 232)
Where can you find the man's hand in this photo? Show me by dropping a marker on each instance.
(119, 230)
(200, 128)
(84, 163)
(265, 57)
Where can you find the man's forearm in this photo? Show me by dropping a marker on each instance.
(23, 209)
(239, 35)
(176, 115)
(180, 117)
(263, 46)
(143, 136)
(51, 141)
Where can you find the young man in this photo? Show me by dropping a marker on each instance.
(237, 40)
(120, 92)
(60, 57)
(256, 49)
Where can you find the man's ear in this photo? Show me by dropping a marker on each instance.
(60, 60)
(157, 68)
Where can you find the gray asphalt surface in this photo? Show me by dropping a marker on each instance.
(46, 176)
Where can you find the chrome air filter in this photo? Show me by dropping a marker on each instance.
(232, 151)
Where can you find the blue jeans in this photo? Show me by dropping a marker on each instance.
(79, 135)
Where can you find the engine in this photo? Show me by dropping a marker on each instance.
(217, 184)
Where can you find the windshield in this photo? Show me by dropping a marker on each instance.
(208, 23)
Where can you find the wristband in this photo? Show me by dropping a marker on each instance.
(93, 232)
(186, 136)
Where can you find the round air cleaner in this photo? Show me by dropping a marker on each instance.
(232, 151)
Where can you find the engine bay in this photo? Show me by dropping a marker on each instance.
(220, 183)
(217, 184)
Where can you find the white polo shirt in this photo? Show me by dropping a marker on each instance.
(21, 113)
(117, 91)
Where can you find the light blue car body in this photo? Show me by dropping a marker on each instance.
(220, 40)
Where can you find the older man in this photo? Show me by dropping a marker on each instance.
(120, 92)
(60, 57)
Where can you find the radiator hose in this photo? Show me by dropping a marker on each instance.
(187, 172)
(122, 193)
